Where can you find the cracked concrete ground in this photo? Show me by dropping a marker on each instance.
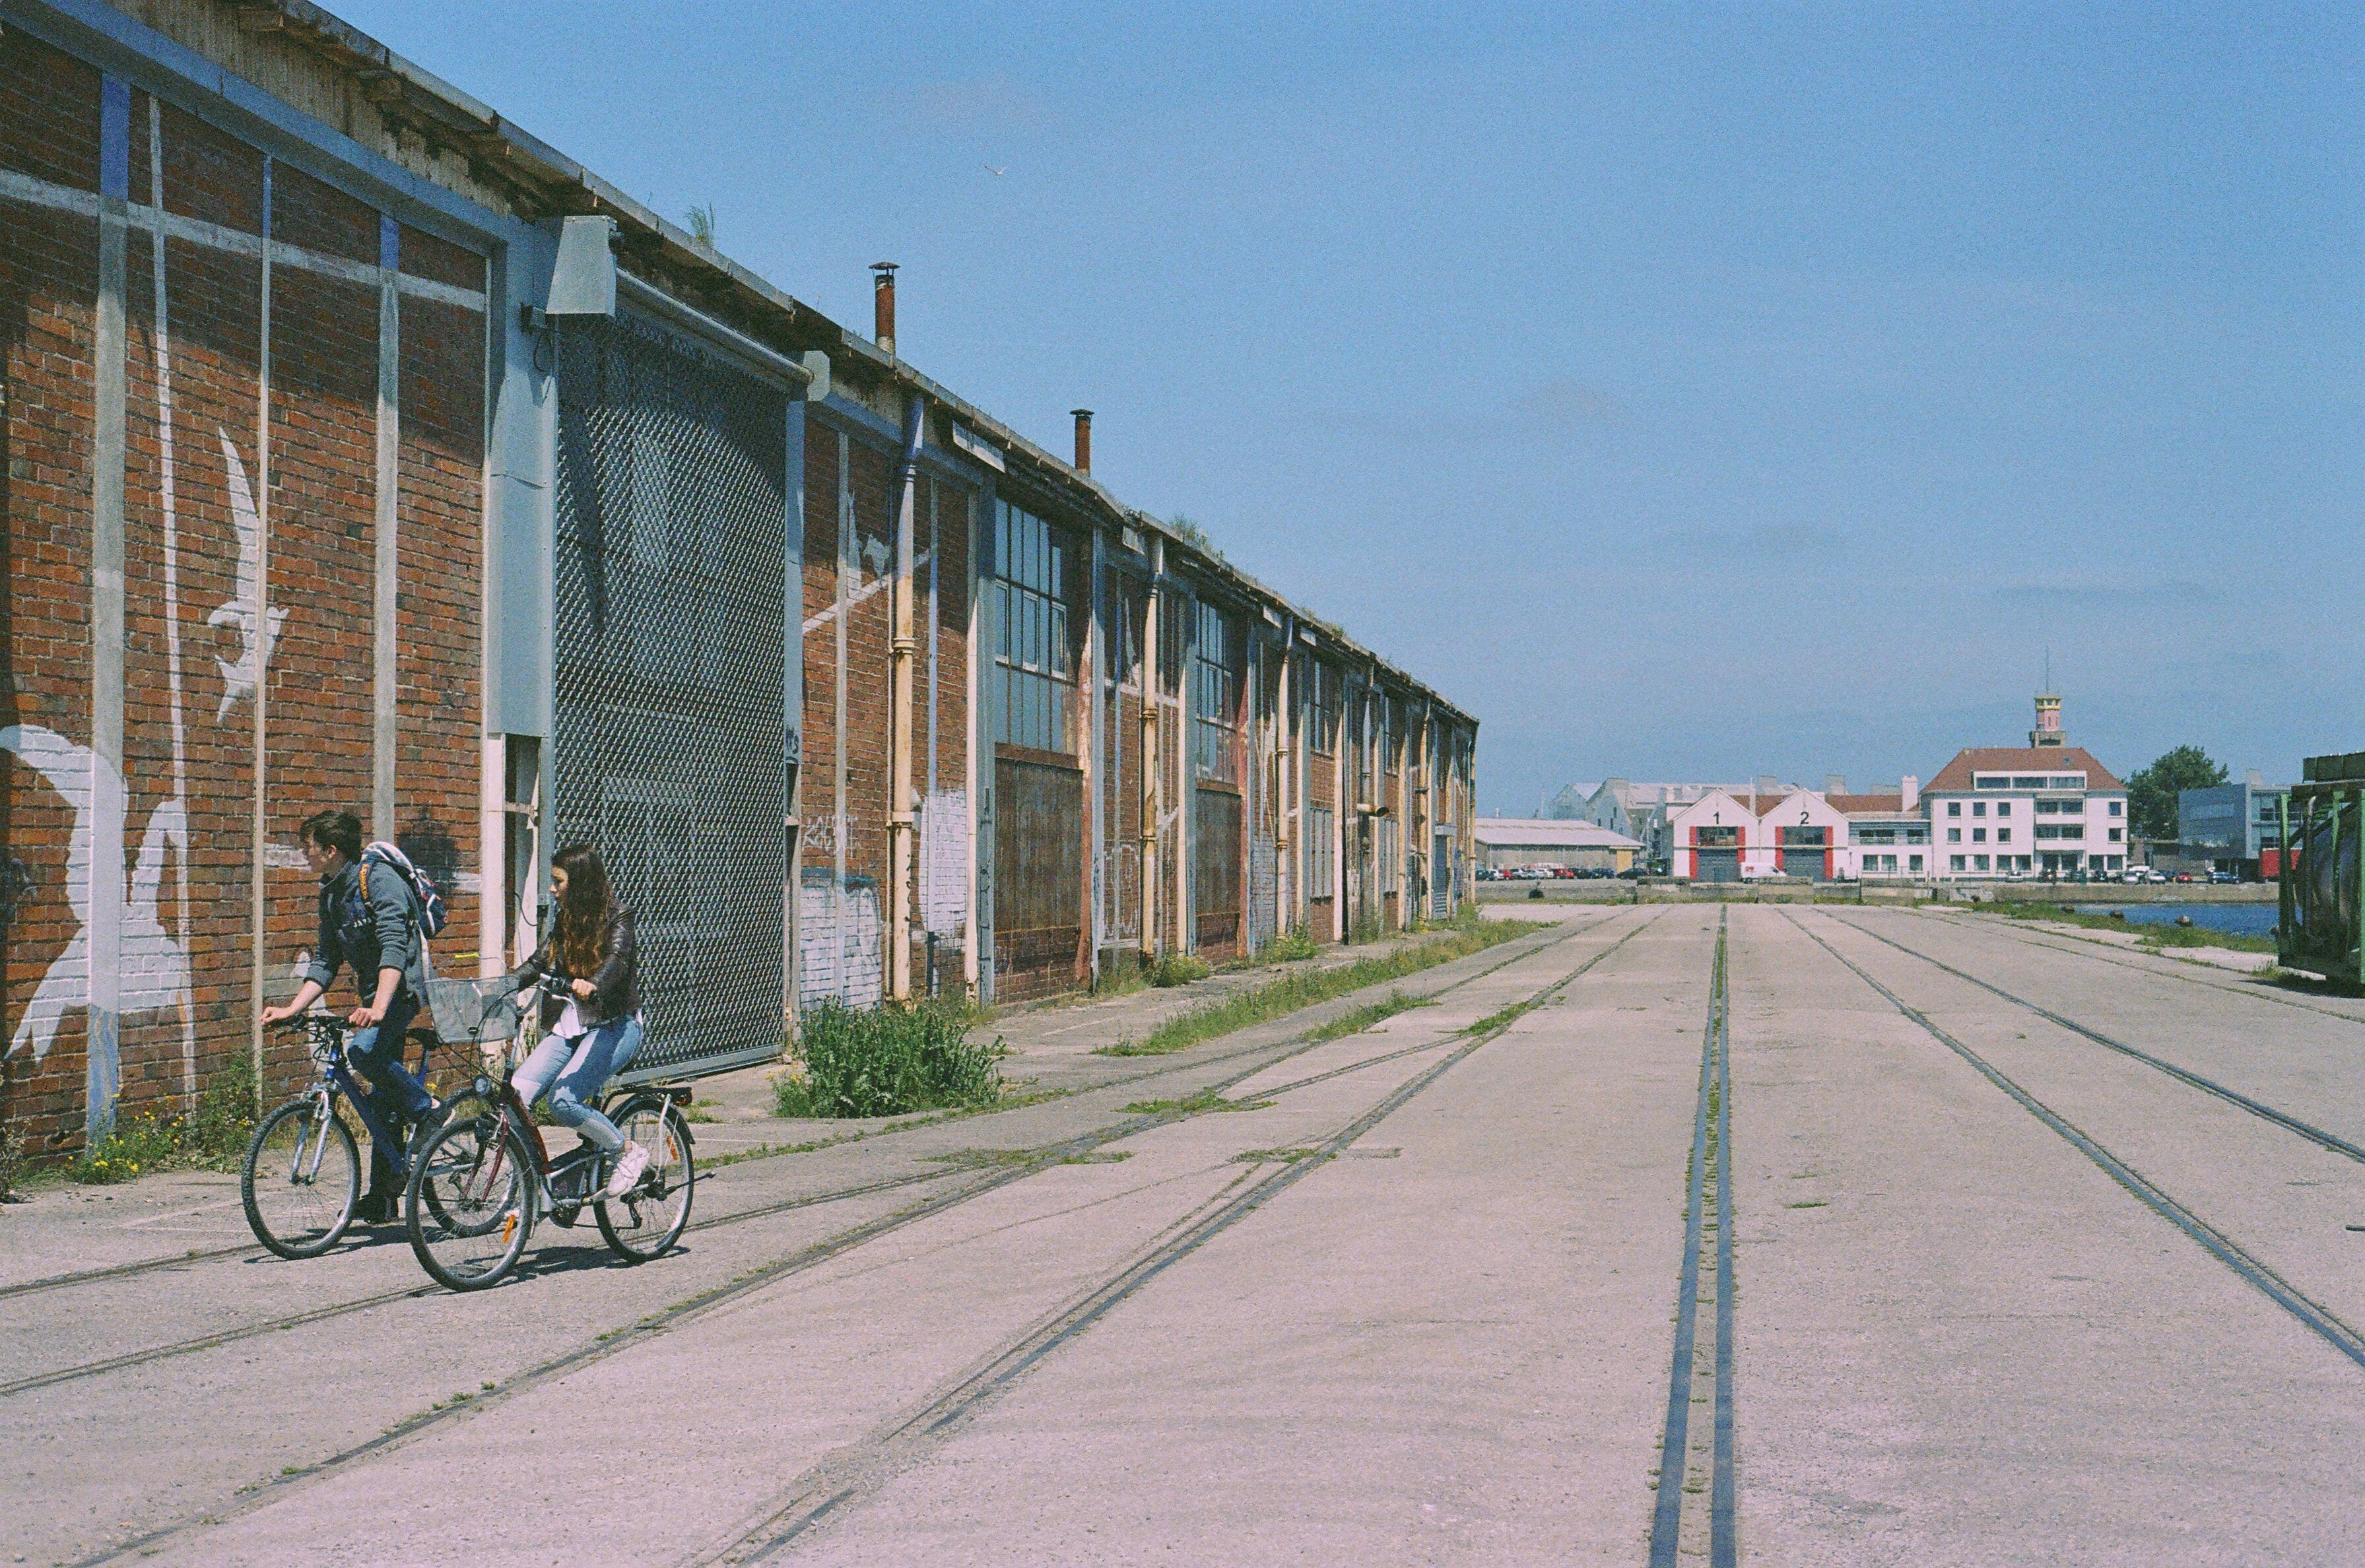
(1411, 1301)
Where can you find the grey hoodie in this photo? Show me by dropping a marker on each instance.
(380, 931)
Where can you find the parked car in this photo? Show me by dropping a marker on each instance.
(2135, 874)
(1633, 874)
(2186, 876)
(2223, 879)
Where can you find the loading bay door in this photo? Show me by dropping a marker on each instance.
(1719, 865)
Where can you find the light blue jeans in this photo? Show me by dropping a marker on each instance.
(574, 1070)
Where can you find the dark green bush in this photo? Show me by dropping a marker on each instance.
(887, 1060)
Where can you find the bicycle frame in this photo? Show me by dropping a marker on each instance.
(329, 1038)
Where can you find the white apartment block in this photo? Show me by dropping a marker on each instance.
(2025, 811)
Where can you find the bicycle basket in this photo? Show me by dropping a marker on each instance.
(472, 1011)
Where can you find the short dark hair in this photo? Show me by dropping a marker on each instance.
(340, 831)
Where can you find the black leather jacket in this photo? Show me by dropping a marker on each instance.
(615, 984)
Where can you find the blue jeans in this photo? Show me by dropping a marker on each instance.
(394, 1095)
(574, 1070)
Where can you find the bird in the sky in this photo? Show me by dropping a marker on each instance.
(991, 170)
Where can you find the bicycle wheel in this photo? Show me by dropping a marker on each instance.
(646, 1221)
(470, 1203)
(300, 1179)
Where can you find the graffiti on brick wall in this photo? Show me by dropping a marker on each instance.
(944, 863)
(153, 967)
(256, 627)
(839, 940)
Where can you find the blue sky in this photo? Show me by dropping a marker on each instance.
(1686, 390)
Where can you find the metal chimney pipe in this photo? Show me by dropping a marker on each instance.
(883, 305)
(1084, 440)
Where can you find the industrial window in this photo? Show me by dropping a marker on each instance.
(1917, 835)
(1215, 698)
(2065, 781)
(1978, 835)
(2027, 783)
(1953, 862)
(2061, 830)
(1979, 807)
(2114, 835)
(1321, 852)
(1954, 808)
(2003, 836)
(1322, 689)
(1917, 862)
(1032, 653)
(1992, 781)
(1978, 862)
(2003, 808)
(1954, 836)
(2117, 807)
(1390, 860)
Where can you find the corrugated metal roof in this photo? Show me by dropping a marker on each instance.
(1554, 833)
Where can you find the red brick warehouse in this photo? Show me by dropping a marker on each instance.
(362, 450)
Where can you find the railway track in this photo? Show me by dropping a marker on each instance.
(253, 1249)
(1697, 1507)
(2096, 952)
(850, 1475)
(2186, 1076)
(2311, 1314)
(798, 1262)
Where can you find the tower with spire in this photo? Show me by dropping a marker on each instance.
(2048, 722)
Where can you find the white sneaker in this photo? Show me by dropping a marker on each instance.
(635, 1160)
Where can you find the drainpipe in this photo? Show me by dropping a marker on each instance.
(1153, 774)
(900, 824)
(1285, 874)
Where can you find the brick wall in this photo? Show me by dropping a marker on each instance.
(193, 489)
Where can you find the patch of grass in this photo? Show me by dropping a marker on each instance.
(1291, 992)
(1811, 1203)
(886, 1061)
(1276, 1155)
(696, 1111)
(138, 1143)
(13, 1163)
(1099, 1157)
(1178, 968)
(2150, 936)
(1362, 1018)
(1297, 944)
(1204, 1101)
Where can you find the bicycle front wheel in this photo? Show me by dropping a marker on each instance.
(300, 1179)
(647, 1220)
(470, 1202)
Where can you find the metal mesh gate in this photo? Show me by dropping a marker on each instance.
(672, 747)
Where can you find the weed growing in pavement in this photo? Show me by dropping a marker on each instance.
(885, 1061)
(986, 1159)
(699, 1111)
(1811, 1203)
(1289, 949)
(1503, 1019)
(1362, 1018)
(1206, 1100)
(12, 1161)
(1178, 968)
(1293, 992)
(216, 1132)
(137, 1144)
(1099, 1157)
(1275, 1155)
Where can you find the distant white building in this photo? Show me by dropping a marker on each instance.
(1644, 810)
(2026, 810)
(1889, 834)
(1527, 841)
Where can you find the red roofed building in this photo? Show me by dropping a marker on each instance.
(2029, 811)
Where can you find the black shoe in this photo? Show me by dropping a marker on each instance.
(374, 1208)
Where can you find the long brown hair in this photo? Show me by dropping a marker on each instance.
(585, 911)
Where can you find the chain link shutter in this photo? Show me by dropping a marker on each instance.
(672, 750)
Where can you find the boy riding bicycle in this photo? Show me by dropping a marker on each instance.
(372, 924)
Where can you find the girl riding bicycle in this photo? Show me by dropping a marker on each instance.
(591, 1008)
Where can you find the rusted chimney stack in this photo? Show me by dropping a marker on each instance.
(883, 302)
(1083, 440)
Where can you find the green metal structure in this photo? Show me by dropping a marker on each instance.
(2322, 822)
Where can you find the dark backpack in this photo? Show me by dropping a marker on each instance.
(425, 900)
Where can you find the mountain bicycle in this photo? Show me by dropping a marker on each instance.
(479, 1182)
(301, 1178)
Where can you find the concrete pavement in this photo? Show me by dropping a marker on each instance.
(1409, 1302)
